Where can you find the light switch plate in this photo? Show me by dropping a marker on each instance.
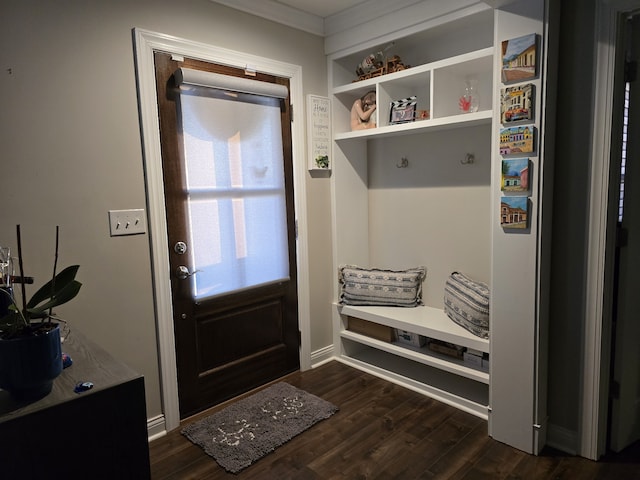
(127, 222)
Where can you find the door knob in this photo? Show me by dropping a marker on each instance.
(183, 272)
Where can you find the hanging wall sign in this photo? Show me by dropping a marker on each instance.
(319, 132)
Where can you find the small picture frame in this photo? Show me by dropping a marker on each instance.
(403, 111)
(516, 104)
(517, 140)
(319, 132)
(516, 174)
(519, 58)
(514, 212)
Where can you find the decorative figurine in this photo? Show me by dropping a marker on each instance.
(362, 112)
(373, 61)
(379, 63)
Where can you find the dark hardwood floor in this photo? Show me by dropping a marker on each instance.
(384, 431)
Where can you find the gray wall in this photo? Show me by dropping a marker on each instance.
(570, 212)
(71, 151)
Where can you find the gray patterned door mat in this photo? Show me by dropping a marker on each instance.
(250, 428)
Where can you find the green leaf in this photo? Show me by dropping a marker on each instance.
(69, 291)
(12, 322)
(62, 280)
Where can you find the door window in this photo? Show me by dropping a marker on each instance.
(235, 192)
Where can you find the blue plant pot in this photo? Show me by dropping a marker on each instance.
(6, 299)
(29, 364)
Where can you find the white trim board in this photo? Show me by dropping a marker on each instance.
(146, 43)
(279, 13)
(322, 356)
(156, 428)
(597, 342)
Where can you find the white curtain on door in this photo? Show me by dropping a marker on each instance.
(234, 192)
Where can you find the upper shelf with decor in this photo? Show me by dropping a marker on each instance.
(443, 37)
(417, 78)
(443, 94)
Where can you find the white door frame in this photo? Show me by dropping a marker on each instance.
(146, 43)
(597, 346)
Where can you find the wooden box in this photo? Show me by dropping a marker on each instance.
(446, 348)
(371, 329)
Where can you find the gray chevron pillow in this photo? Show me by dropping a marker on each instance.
(466, 302)
(372, 286)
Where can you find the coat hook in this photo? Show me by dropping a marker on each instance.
(404, 163)
(468, 159)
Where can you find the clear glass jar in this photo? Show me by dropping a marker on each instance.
(470, 99)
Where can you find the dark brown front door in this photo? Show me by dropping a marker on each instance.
(228, 180)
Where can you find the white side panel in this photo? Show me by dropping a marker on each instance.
(350, 218)
(351, 203)
(515, 256)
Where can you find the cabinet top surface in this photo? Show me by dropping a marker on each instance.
(90, 363)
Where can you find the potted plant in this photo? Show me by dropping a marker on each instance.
(30, 347)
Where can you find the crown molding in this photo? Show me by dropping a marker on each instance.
(331, 25)
(412, 18)
(363, 13)
(280, 13)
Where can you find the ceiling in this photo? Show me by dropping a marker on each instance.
(322, 8)
(320, 17)
(330, 17)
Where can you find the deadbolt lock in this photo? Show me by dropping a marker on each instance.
(180, 248)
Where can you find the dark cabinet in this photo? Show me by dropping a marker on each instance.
(99, 433)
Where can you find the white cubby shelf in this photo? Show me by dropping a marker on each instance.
(436, 85)
(424, 192)
(455, 390)
(440, 376)
(371, 199)
(422, 355)
(431, 125)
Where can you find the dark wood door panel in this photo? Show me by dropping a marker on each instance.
(238, 333)
(225, 382)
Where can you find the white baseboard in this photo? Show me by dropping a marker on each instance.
(562, 439)
(156, 427)
(322, 356)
